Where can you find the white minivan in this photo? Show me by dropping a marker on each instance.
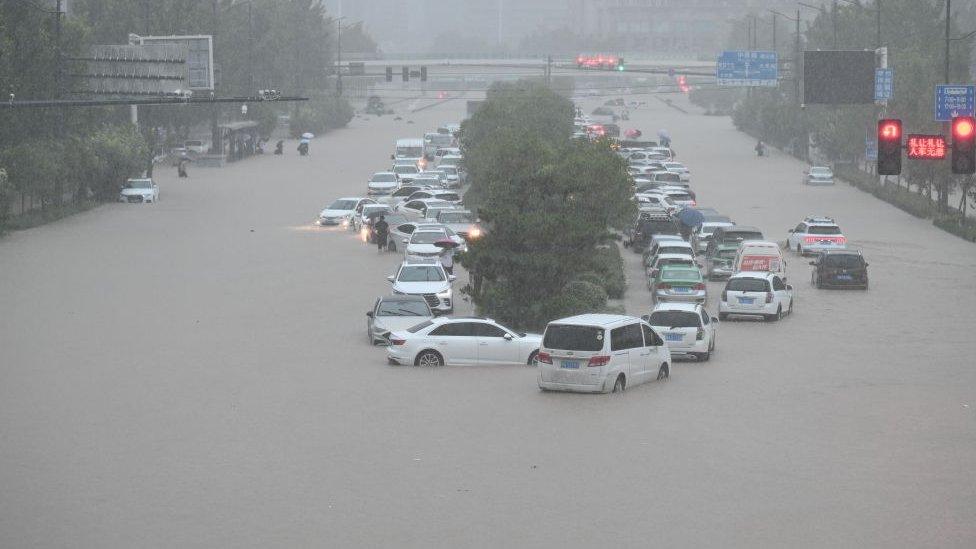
(760, 256)
(600, 353)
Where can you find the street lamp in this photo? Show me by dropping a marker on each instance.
(338, 21)
(796, 50)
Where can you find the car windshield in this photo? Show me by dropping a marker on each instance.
(823, 229)
(449, 170)
(726, 254)
(684, 197)
(421, 273)
(658, 227)
(747, 285)
(385, 178)
(139, 184)
(736, 236)
(418, 327)
(673, 249)
(427, 237)
(844, 261)
(820, 171)
(403, 308)
(343, 204)
(450, 197)
(406, 169)
(676, 261)
(455, 217)
(573, 338)
(675, 319)
(681, 274)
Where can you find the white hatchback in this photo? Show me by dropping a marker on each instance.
(600, 353)
(462, 341)
(756, 294)
(686, 327)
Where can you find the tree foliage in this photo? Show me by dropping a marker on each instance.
(548, 202)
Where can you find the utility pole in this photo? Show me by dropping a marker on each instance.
(339, 57)
(250, 49)
(549, 71)
(216, 146)
(796, 60)
(944, 189)
(877, 9)
(59, 68)
(774, 31)
(834, 17)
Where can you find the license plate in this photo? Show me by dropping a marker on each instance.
(681, 290)
(747, 300)
(570, 364)
(674, 337)
(844, 277)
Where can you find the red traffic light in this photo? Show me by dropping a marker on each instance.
(963, 127)
(889, 130)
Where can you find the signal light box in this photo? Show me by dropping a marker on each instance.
(925, 147)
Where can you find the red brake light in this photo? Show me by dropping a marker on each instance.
(810, 239)
(769, 297)
(597, 361)
(398, 341)
(664, 286)
(544, 358)
(700, 286)
(841, 240)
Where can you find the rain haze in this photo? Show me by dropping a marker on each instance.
(551, 273)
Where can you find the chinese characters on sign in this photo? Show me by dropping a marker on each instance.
(883, 84)
(747, 68)
(926, 147)
(952, 101)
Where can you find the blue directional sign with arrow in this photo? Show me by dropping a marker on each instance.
(954, 100)
(747, 68)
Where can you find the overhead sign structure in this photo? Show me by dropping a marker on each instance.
(839, 77)
(199, 56)
(747, 69)
(884, 80)
(954, 100)
(925, 147)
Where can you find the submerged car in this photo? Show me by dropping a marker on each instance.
(343, 210)
(818, 175)
(139, 190)
(394, 313)
(686, 327)
(678, 283)
(756, 294)
(383, 183)
(816, 234)
(427, 279)
(840, 269)
(462, 341)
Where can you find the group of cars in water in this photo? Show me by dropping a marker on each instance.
(683, 247)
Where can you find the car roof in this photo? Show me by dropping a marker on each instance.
(402, 297)
(384, 173)
(676, 306)
(595, 319)
(675, 256)
(848, 251)
(742, 228)
(678, 242)
(758, 244)
(430, 262)
(752, 274)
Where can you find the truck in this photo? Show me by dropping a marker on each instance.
(408, 148)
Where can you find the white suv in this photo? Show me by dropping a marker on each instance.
(816, 234)
(427, 279)
(756, 293)
(599, 353)
(687, 328)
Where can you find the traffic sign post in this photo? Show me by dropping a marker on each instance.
(954, 100)
(747, 69)
(871, 148)
(883, 84)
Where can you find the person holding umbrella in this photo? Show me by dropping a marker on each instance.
(447, 255)
(689, 218)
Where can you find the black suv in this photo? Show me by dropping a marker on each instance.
(840, 269)
(649, 224)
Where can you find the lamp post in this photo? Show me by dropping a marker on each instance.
(796, 51)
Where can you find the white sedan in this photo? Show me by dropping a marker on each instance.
(383, 183)
(462, 341)
(342, 210)
(756, 294)
(686, 327)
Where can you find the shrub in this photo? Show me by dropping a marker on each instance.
(320, 115)
(964, 228)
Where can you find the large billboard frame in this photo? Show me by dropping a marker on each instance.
(188, 41)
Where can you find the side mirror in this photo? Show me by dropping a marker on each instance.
(369, 314)
(714, 319)
(451, 278)
(390, 278)
(646, 318)
(508, 337)
(655, 271)
(789, 287)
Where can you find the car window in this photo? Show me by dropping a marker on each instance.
(824, 229)
(626, 337)
(844, 261)
(421, 273)
(485, 329)
(570, 337)
(747, 285)
(406, 228)
(650, 338)
(778, 284)
(801, 228)
(674, 319)
(704, 315)
(418, 327)
(457, 329)
(403, 308)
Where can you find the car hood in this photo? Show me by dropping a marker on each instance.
(423, 249)
(414, 288)
(135, 192)
(382, 184)
(335, 213)
(397, 323)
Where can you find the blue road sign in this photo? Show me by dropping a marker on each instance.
(871, 148)
(747, 68)
(954, 100)
(884, 81)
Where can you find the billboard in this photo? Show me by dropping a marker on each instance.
(838, 77)
(199, 56)
(126, 70)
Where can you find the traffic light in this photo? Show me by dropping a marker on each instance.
(889, 146)
(423, 74)
(406, 74)
(620, 63)
(389, 74)
(963, 144)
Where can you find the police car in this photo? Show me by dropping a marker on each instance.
(816, 234)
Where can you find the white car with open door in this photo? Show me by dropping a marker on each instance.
(600, 353)
(761, 294)
(686, 327)
(462, 341)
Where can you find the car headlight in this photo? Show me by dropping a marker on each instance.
(445, 294)
(474, 233)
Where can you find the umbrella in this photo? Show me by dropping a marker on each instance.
(664, 134)
(690, 217)
(305, 141)
(632, 133)
(308, 135)
(446, 243)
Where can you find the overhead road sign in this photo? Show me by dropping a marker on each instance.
(954, 100)
(839, 77)
(739, 68)
(884, 80)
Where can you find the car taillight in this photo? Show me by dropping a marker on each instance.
(769, 297)
(694, 202)
(841, 240)
(700, 335)
(544, 358)
(663, 286)
(700, 286)
(725, 295)
(810, 239)
(597, 361)
(397, 341)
